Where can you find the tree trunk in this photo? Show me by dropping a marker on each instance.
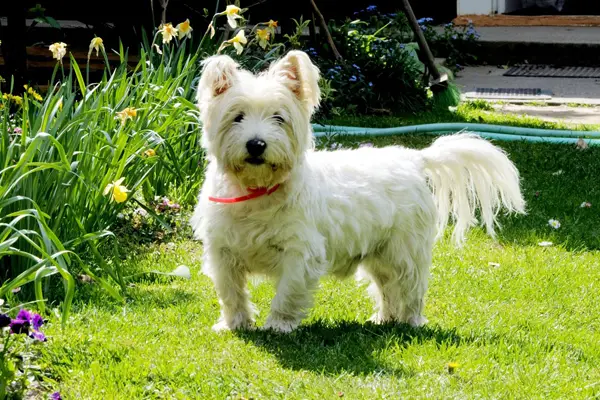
(325, 29)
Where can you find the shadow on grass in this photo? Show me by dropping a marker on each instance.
(349, 347)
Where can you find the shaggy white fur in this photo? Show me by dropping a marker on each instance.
(373, 211)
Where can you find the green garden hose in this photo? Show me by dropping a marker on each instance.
(498, 132)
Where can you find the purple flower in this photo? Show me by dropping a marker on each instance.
(25, 315)
(55, 396)
(352, 78)
(39, 336)
(18, 130)
(4, 320)
(37, 321)
(18, 326)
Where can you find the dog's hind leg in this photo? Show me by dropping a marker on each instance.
(230, 279)
(398, 284)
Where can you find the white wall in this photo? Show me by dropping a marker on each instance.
(481, 7)
(487, 7)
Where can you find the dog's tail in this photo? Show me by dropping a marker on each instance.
(467, 172)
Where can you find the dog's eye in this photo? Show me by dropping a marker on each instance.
(239, 117)
(278, 118)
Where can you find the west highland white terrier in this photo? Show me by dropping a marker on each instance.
(273, 206)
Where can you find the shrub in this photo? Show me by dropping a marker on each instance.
(380, 71)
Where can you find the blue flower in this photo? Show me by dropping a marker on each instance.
(393, 15)
(423, 28)
(449, 25)
(424, 20)
(454, 37)
(352, 78)
(338, 67)
(370, 84)
(356, 66)
(371, 8)
(332, 71)
(402, 46)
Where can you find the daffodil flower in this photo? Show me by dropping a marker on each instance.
(96, 44)
(263, 37)
(167, 31)
(238, 41)
(117, 191)
(232, 12)
(184, 29)
(128, 113)
(58, 49)
(272, 25)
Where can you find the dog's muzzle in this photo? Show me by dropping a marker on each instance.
(256, 149)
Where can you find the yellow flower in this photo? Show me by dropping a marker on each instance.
(58, 49)
(233, 13)
(128, 113)
(452, 366)
(118, 191)
(263, 37)
(272, 24)
(33, 93)
(18, 100)
(168, 31)
(150, 153)
(184, 29)
(238, 41)
(60, 104)
(96, 44)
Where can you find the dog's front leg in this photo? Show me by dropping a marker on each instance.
(230, 277)
(296, 285)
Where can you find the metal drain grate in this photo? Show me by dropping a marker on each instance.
(546, 71)
(509, 94)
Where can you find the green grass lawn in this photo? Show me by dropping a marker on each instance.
(520, 320)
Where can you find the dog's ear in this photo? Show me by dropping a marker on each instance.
(301, 76)
(218, 75)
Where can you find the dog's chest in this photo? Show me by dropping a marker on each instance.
(258, 241)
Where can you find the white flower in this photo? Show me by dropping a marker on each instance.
(239, 41)
(58, 50)
(586, 204)
(233, 13)
(554, 223)
(545, 244)
(559, 172)
(167, 31)
(184, 29)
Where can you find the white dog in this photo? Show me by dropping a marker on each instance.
(271, 205)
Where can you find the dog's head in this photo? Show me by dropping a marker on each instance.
(257, 127)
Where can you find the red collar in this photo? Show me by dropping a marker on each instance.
(253, 194)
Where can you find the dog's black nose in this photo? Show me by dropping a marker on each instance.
(256, 147)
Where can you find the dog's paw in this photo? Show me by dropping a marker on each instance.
(280, 325)
(417, 322)
(379, 319)
(237, 323)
